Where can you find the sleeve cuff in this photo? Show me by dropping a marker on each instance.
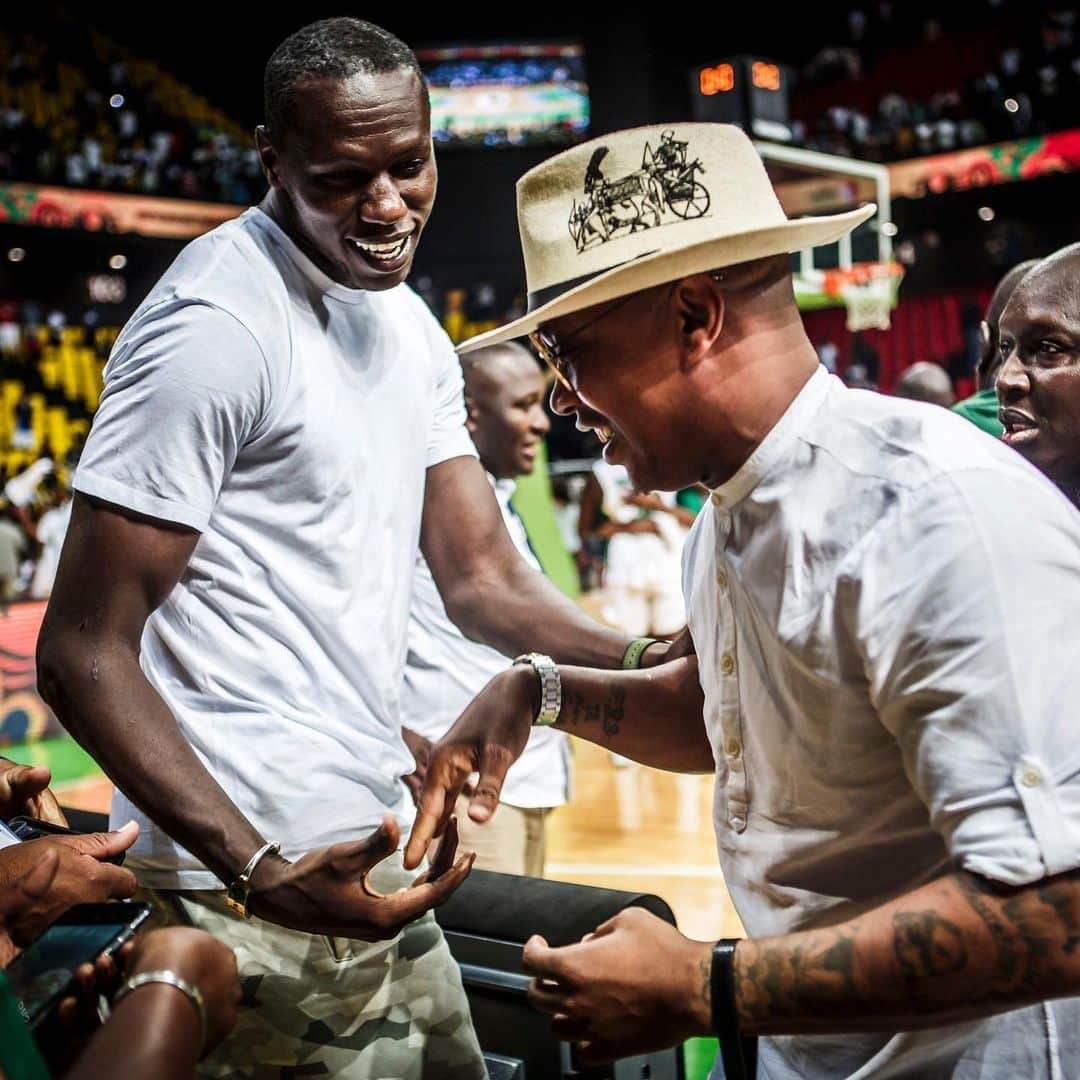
(456, 443)
(141, 502)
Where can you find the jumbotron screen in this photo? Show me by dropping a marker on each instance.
(507, 95)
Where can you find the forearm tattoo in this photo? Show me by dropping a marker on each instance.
(997, 946)
(577, 711)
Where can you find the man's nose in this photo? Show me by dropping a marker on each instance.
(563, 399)
(539, 422)
(1012, 378)
(383, 204)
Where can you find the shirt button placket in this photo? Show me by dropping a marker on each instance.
(729, 684)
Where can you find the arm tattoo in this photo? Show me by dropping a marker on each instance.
(963, 947)
(795, 981)
(613, 711)
(926, 944)
(573, 707)
(576, 710)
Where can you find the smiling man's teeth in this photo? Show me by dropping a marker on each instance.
(385, 252)
(605, 434)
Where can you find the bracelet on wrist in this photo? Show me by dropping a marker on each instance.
(636, 650)
(168, 978)
(738, 1053)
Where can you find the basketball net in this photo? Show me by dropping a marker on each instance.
(868, 293)
(868, 305)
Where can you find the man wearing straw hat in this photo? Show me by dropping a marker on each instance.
(887, 711)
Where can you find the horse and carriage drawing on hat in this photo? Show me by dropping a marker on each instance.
(667, 183)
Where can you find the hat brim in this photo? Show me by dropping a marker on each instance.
(662, 266)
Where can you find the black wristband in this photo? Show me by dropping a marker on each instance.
(738, 1054)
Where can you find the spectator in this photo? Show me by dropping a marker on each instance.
(51, 530)
(504, 394)
(927, 382)
(982, 407)
(645, 535)
(12, 544)
(1039, 379)
(151, 1034)
(22, 437)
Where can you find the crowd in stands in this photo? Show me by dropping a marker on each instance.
(898, 81)
(50, 382)
(79, 110)
(903, 81)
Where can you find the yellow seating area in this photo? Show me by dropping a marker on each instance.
(70, 367)
(52, 107)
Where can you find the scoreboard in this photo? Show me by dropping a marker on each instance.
(745, 90)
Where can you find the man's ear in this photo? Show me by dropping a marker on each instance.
(268, 156)
(700, 307)
(470, 414)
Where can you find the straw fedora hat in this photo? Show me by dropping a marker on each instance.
(642, 207)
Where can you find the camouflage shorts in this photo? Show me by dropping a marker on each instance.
(319, 1006)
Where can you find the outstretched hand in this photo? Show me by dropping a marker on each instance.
(328, 892)
(487, 739)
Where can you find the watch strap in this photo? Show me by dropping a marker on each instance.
(738, 1052)
(547, 672)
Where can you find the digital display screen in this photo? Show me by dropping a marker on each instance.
(507, 95)
(45, 969)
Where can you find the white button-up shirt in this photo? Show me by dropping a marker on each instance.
(884, 606)
(444, 671)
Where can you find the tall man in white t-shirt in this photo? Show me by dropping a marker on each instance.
(282, 424)
(883, 606)
(444, 671)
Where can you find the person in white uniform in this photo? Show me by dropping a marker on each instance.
(645, 534)
(51, 530)
(444, 670)
(282, 425)
(882, 610)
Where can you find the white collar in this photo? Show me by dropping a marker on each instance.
(776, 443)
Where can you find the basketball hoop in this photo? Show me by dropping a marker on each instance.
(867, 291)
(868, 304)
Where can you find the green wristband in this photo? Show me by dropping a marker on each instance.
(636, 650)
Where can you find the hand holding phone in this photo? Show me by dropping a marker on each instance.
(45, 973)
(80, 877)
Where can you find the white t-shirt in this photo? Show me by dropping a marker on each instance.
(291, 420)
(883, 603)
(444, 671)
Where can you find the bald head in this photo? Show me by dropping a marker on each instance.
(486, 370)
(991, 353)
(504, 393)
(926, 382)
(1054, 279)
(1038, 383)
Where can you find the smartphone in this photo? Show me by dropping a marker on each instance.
(28, 828)
(7, 837)
(42, 975)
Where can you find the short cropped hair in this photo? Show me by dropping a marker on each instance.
(330, 48)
